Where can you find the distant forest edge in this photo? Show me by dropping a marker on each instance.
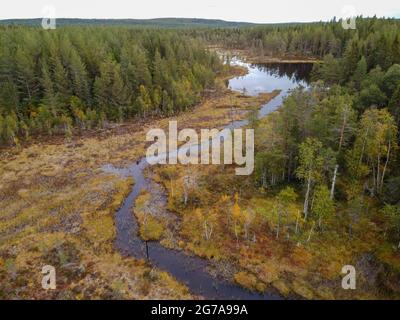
(79, 77)
(158, 22)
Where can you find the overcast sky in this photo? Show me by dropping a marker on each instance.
(233, 10)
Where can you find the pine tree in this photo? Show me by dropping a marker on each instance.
(391, 79)
(80, 81)
(396, 49)
(351, 58)
(167, 103)
(8, 129)
(9, 99)
(310, 167)
(62, 88)
(111, 94)
(359, 73)
(135, 66)
(27, 79)
(157, 69)
(49, 97)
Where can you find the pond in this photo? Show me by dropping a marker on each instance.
(271, 76)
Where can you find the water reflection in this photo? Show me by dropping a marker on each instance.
(271, 76)
(297, 72)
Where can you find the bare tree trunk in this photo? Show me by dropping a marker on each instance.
(334, 182)
(306, 200)
(363, 147)
(185, 196)
(384, 168)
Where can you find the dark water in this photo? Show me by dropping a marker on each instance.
(186, 268)
(297, 72)
(269, 77)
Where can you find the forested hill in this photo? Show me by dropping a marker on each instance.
(160, 22)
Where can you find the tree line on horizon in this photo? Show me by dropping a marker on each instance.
(379, 39)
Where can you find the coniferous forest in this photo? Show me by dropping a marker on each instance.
(81, 77)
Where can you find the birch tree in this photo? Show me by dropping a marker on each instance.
(344, 120)
(375, 145)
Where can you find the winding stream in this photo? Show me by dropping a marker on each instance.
(186, 268)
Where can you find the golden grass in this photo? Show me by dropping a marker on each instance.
(150, 227)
